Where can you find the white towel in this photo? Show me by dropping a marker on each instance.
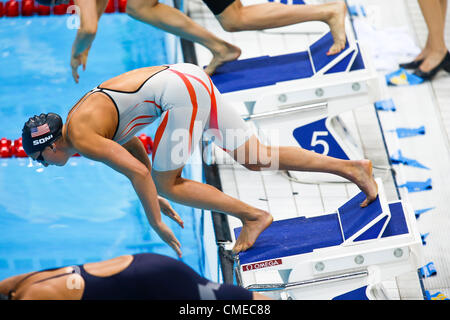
(387, 47)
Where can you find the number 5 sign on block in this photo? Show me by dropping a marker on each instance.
(317, 137)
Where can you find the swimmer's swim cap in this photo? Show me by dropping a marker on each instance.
(40, 131)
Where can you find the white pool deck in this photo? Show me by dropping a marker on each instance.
(425, 105)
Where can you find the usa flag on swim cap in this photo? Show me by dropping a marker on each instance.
(39, 130)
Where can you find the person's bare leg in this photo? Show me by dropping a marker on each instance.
(434, 12)
(427, 48)
(299, 159)
(237, 17)
(171, 185)
(443, 4)
(174, 21)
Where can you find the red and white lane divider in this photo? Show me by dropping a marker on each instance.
(28, 8)
(14, 148)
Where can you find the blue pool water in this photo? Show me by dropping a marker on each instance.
(85, 211)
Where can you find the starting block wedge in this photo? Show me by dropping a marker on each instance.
(362, 224)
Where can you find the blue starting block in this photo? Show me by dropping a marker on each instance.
(357, 246)
(267, 71)
(303, 95)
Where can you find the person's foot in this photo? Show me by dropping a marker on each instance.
(363, 178)
(411, 65)
(227, 53)
(423, 54)
(336, 22)
(251, 230)
(417, 60)
(432, 60)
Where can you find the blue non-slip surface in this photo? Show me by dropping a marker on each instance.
(319, 51)
(357, 294)
(293, 236)
(342, 65)
(84, 211)
(374, 231)
(353, 217)
(358, 63)
(268, 70)
(301, 235)
(262, 71)
(397, 224)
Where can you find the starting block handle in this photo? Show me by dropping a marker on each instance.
(270, 114)
(296, 284)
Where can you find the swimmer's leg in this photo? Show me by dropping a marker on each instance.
(171, 150)
(171, 185)
(237, 17)
(256, 156)
(176, 22)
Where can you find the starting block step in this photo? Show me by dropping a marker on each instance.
(350, 225)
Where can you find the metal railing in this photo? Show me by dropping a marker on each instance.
(291, 285)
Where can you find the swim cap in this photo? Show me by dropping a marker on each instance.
(40, 131)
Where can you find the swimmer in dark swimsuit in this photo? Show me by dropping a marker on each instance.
(145, 276)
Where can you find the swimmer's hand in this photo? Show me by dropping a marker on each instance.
(167, 235)
(76, 61)
(167, 209)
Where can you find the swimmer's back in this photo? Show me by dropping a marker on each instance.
(157, 277)
(84, 115)
(132, 80)
(145, 276)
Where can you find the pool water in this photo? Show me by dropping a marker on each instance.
(84, 211)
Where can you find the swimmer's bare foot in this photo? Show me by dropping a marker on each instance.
(363, 178)
(336, 22)
(251, 229)
(226, 53)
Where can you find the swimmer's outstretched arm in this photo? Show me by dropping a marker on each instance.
(137, 150)
(98, 148)
(90, 13)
